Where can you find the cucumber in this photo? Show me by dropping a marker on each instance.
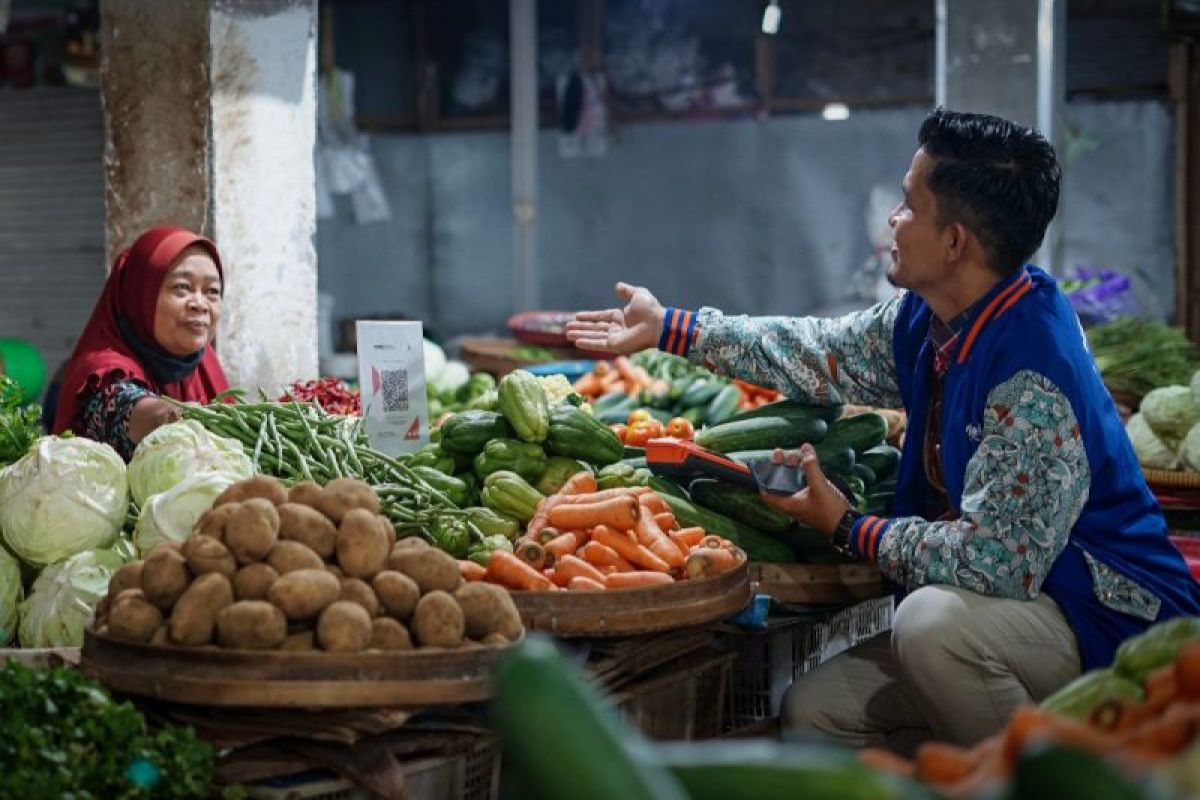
(606, 401)
(884, 460)
(865, 473)
(759, 546)
(739, 504)
(724, 405)
(793, 409)
(693, 415)
(835, 459)
(879, 503)
(766, 770)
(666, 486)
(701, 392)
(888, 485)
(561, 739)
(860, 432)
(617, 413)
(1058, 771)
(761, 432)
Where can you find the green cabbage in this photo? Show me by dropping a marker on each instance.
(170, 515)
(1151, 451)
(11, 592)
(173, 452)
(1170, 412)
(64, 597)
(62, 497)
(1189, 451)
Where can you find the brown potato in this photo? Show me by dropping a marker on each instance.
(438, 621)
(389, 634)
(495, 640)
(305, 493)
(470, 644)
(169, 544)
(251, 625)
(362, 546)
(128, 576)
(261, 486)
(407, 542)
(487, 609)
(344, 627)
(397, 592)
(343, 494)
(133, 617)
(160, 638)
(212, 522)
(195, 614)
(165, 576)
(300, 640)
(306, 525)
(253, 581)
(389, 530)
(429, 567)
(205, 554)
(304, 593)
(252, 530)
(335, 571)
(357, 591)
(288, 557)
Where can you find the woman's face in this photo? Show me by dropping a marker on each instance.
(189, 303)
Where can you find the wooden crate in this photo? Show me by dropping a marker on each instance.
(818, 584)
(687, 700)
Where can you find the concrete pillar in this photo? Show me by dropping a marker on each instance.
(210, 119)
(522, 23)
(1007, 59)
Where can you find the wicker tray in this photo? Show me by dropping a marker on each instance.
(629, 612)
(1172, 479)
(217, 677)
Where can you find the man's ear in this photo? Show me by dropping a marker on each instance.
(956, 238)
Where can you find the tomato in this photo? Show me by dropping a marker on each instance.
(620, 430)
(657, 429)
(641, 432)
(638, 416)
(680, 428)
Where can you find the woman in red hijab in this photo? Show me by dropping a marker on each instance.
(150, 336)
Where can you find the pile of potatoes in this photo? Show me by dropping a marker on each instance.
(305, 568)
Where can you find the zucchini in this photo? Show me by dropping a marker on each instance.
(739, 504)
(884, 460)
(759, 546)
(724, 405)
(561, 739)
(860, 432)
(766, 770)
(793, 409)
(761, 432)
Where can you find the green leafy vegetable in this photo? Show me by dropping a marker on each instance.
(20, 425)
(1135, 356)
(61, 735)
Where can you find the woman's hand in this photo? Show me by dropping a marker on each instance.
(150, 413)
(621, 331)
(819, 504)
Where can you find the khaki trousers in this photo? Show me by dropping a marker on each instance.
(953, 668)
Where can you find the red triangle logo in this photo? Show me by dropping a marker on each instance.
(414, 430)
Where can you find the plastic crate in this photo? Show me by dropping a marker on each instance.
(470, 775)
(767, 662)
(687, 700)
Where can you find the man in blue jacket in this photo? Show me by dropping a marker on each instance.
(1023, 534)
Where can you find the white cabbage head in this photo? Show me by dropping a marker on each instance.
(173, 452)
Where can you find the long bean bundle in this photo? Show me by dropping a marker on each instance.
(299, 441)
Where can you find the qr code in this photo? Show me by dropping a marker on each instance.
(395, 390)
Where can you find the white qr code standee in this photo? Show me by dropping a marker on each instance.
(391, 378)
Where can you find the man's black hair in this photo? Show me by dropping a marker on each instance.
(999, 179)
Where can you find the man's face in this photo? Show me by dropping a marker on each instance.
(918, 244)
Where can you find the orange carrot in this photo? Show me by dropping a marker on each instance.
(531, 553)
(599, 555)
(1187, 671)
(629, 549)
(656, 504)
(687, 538)
(562, 545)
(471, 571)
(506, 569)
(886, 761)
(589, 385)
(650, 535)
(620, 513)
(637, 580)
(704, 562)
(631, 373)
(546, 535)
(666, 521)
(572, 566)
(538, 521)
(581, 584)
(582, 482)
(597, 497)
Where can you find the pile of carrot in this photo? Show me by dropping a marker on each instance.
(1135, 736)
(754, 396)
(584, 539)
(621, 375)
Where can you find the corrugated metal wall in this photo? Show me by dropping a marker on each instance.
(51, 215)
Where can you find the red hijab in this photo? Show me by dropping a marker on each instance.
(131, 292)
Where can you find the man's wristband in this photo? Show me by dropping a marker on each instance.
(840, 538)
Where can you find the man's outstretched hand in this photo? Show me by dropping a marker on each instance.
(819, 504)
(623, 331)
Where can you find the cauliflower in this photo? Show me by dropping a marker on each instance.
(557, 387)
(1151, 451)
(1170, 412)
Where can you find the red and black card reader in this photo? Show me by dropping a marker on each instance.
(682, 461)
